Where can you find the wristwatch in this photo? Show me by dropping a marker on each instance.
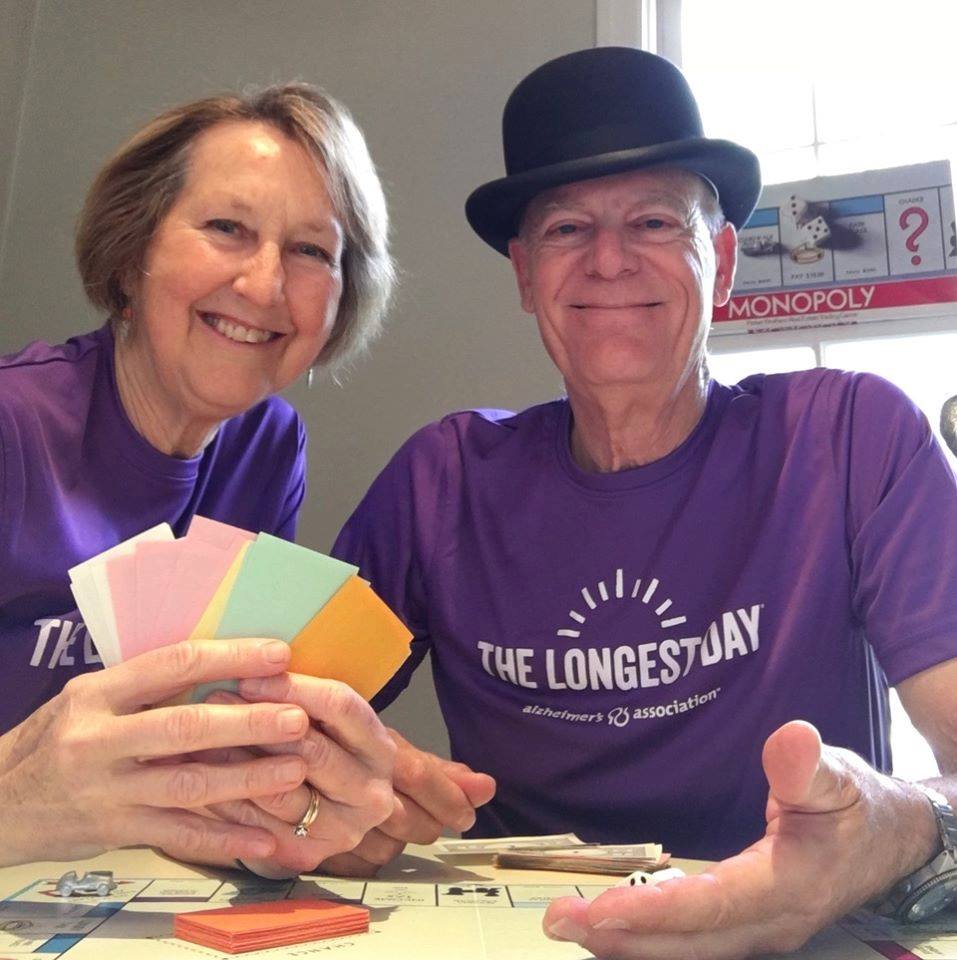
(934, 886)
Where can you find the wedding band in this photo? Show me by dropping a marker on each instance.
(301, 829)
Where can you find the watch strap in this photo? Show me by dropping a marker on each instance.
(944, 816)
(904, 901)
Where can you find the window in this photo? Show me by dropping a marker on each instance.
(836, 89)
(732, 366)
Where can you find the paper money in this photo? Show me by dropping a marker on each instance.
(560, 852)
(505, 844)
(604, 851)
(616, 860)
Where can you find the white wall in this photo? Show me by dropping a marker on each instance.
(426, 81)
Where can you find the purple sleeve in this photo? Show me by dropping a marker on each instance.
(6, 509)
(391, 537)
(295, 491)
(13, 478)
(902, 529)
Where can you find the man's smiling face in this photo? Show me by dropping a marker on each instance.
(621, 273)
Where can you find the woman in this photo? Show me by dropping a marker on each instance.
(234, 242)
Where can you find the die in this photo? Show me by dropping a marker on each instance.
(816, 230)
(641, 878)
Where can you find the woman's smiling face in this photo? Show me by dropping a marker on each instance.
(242, 279)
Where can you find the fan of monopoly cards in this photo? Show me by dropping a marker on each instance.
(220, 582)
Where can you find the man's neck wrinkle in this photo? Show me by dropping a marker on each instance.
(609, 438)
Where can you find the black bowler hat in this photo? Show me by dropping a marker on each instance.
(602, 111)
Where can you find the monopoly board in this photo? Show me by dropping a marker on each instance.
(481, 919)
(468, 920)
(934, 939)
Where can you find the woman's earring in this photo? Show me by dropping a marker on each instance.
(309, 379)
(126, 321)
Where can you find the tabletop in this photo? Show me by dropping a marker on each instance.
(420, 906)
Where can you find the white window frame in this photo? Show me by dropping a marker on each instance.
(653, 25)
(816, 338)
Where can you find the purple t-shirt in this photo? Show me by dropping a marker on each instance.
(615, 648)
(76, 478)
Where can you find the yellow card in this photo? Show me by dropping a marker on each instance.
(209, 621)
(354, 638)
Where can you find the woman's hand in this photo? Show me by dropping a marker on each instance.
(431, 795)
(349, 758)
(92, 769)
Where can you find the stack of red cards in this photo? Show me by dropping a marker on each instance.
(257, 926)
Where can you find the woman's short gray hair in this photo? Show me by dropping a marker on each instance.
(138, 185)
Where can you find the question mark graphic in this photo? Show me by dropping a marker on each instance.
(911, 241)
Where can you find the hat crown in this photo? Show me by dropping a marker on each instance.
(597, 113)
(596, 101)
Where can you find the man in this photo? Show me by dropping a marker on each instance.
(647, 603)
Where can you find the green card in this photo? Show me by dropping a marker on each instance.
(279, 589)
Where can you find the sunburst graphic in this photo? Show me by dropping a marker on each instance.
(621, 590)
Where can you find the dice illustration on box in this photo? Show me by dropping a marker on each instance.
(797, 209)
(816, 230)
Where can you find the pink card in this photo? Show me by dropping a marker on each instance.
(121, 577)
(216, 533)
(155, 567)
(161, 599)
(200, 569)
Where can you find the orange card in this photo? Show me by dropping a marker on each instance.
(354, 638)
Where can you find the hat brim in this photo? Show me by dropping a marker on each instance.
(494, 209)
